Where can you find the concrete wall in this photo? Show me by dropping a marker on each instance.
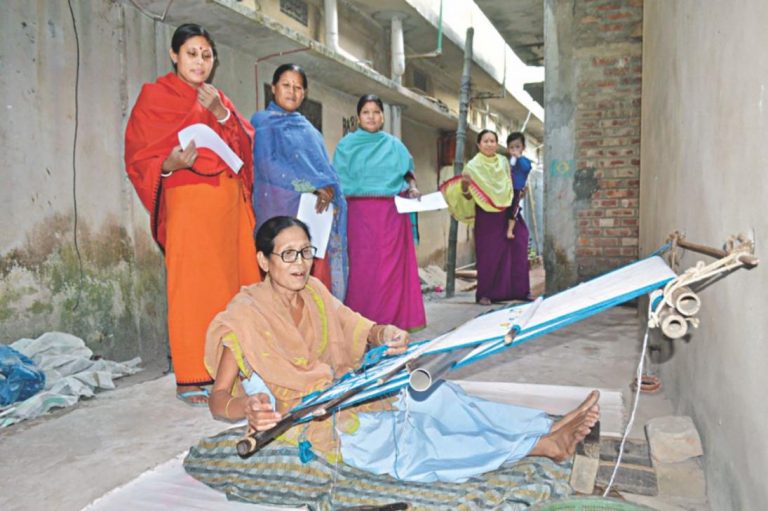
(107, 283)
(704, 130)
(118, 303)
(592, 97)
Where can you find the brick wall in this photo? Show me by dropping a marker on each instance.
(608, 52)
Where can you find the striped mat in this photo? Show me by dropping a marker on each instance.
(275, 476)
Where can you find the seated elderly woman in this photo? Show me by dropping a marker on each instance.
(288, 336)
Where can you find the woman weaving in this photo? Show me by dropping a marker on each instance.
(288, 336)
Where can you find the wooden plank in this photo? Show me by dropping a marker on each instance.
(553, 399)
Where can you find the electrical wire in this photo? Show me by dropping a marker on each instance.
(638, 385)
(74, 156)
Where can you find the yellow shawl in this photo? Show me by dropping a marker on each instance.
(490, 187)
(294, 359)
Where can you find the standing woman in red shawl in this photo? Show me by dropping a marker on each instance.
(200, 210)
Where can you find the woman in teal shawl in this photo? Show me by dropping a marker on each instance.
(289, 158)
(373, 167)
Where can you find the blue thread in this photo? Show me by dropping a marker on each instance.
(310, 396)
(372, 357)
(395, 439)
(305, 451)
(666, 246)
(655, 300)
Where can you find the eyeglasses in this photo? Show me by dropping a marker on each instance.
(291, 255)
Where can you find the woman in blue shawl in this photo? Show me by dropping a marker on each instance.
(289, 158)
(374, 167)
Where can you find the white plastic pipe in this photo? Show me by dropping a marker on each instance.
(398, 49)
(396, 121)
(674, 326)
(686, 301)
(331, 25)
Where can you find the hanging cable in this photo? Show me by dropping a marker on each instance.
(74, 155)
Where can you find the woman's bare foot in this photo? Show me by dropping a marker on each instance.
(560, 443)
(589, 405)
(484, 301)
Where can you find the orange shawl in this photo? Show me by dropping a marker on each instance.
(294, 360)
(163, 109)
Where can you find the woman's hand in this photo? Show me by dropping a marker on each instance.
(208, 96)
(465, 181)
(180, 159)
(396, 339)
(324, 198)
(259, 412)
(414, 192)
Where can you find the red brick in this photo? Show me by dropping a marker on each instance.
(625, 232)
(604, 61)
(619, 15)
(587, 252)
(588, 213)
(620, 212)
(605, 242)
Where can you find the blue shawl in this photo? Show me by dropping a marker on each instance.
(289, 159)
(372, 164)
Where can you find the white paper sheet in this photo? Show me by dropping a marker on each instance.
(319, 224)
(429, 202)
(204, 136)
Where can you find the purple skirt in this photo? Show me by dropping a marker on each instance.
(502, 264)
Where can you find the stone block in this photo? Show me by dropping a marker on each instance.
(583, 474)
(684, 480)
(673, 439)
(631, 478)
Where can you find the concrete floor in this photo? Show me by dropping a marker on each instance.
(67, 460)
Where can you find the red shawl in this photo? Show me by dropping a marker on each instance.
(163, 109)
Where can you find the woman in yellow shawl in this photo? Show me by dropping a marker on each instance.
(480, 197)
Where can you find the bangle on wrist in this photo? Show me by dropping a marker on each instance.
(226, 117)
(226, 408)
(165, 174)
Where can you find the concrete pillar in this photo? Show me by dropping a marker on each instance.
(559, 145)
(593, 61)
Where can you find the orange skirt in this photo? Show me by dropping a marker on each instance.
(209, 255)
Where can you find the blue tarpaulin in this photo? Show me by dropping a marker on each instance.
(20, 378)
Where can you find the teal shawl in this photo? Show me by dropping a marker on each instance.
(372, 164)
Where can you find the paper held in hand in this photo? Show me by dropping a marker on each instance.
(428, 202)
(204, 136)
(319, 223)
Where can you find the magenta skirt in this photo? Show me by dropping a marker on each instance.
(383, 274)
